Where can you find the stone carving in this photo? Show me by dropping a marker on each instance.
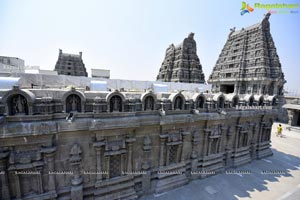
(149, 103)
(75, 154)
(181, 63)
(178, 104)
(73, 103)
(115, 104)
(216, 131)
(19, 105)
(75, 161)
(243, 135)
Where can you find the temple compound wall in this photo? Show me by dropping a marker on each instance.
(71, 144)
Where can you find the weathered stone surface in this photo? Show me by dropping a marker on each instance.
(123, 155)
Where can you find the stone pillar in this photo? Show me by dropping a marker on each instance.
(179, 157)
(98, 148)
(129, 160)
(228, 148)
(168, 154)
(17, 185)
(185, 143)
(39, 180)
(75, 162)
(107, 160)
(222, 138)
(236, 89)
(237, 134)
(146, 167)
(206, 142)
(162, 149)
(49, 156)
(253, 141)
(209, 146)
(5, 193)
(261, 131)
(195, 154)
(290, 117)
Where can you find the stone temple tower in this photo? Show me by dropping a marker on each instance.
(248, 63)
(70, 64)
(181, 63)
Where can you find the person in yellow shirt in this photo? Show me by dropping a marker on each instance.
(279, 130)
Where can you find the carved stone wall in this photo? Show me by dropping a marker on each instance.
(125, 156)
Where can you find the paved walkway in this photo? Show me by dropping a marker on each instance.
(282, 182)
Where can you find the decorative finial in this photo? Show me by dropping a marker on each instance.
(191, 35)
(267, 16)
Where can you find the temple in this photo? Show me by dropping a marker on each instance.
(70, 137)
(181, 63)
(248, 63)
(121, 143)
(70, 64)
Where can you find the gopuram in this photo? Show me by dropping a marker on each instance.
(61, 137)
(248, 63)
(70, 64)
(181, 63)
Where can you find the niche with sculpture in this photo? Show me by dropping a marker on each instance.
(115, 104)
(18, 105)
(149, 103)
(200, 102)
(73, 103)
(178, 104)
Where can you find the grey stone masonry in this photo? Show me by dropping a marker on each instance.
(248, 63)
(181, 63)
(72, 144)
(70, 64)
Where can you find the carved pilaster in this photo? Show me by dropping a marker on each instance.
(162, 150)
(206, 142)
(17, 185)
(185, 138)
(98, 147)
(146, 180)
(222, 138)
(107, 160)
(253, 142)
(39, 180)
(49, 156)
(147, 150)
(237, 136)
(75, 161)
(129, 160)
(261, 131)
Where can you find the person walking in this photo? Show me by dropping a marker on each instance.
(279, 130)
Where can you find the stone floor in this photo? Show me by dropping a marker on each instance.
(275, 177)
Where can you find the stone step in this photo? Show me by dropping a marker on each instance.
(172, 186)
(124, 194)
(112, 188)
(171, 180)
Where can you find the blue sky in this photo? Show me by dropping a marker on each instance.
(130, 37)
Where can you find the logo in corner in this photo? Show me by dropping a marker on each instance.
(246, 8)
